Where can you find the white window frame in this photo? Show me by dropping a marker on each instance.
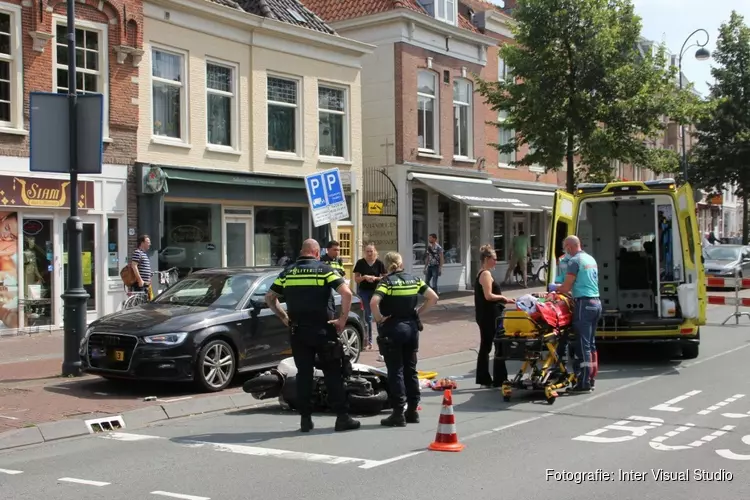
(234, 145)
(15, 125)
(345, 114)
(469, 119)
(444, 4)
(501, 119)
(504, 72)
(184, 139)
(103, 30)
(298, 117)
(435, 112)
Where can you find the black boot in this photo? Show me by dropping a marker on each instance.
(396, 419)
(412, 415)
(306, 424)
(346, 423)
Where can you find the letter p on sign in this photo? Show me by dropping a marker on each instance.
(331, 181)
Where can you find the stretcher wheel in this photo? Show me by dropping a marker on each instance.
(551, 400)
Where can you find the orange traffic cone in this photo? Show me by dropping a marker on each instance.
(446, 438)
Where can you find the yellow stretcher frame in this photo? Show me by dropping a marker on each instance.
(423, 375)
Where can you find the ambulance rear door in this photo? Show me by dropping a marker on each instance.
(695, 276)
(563, 224)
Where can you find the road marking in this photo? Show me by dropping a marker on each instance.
(82, 481)
(721, 404)
(735, 456)
(378, 463)
(736, 415)
(10, 472)
(124, 436)
(9, 418)
(285, 454)
(174, 399)
(178, 495)
(667, 406)
(622, 425)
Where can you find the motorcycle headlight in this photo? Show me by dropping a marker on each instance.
(166, 338)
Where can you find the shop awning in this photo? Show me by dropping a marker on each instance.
(482, 194)
(236, 179)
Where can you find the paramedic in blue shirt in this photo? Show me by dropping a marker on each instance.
(582, 283)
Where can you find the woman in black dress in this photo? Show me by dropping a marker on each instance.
(489, 304)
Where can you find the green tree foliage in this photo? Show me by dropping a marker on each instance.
(584, 94)
(722, 155)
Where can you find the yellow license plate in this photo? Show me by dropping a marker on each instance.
(119, 355)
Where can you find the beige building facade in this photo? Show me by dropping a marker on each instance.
(235, 110)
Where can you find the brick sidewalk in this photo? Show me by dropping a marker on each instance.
(32, 392)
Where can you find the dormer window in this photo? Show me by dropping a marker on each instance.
(442, 10)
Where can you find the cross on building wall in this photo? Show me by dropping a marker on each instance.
(387, 146)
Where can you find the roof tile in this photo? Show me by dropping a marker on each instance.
(287, 11)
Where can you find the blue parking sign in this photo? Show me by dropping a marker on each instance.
(325, 192)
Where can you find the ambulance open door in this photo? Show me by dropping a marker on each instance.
(694, 288)
(564, 219)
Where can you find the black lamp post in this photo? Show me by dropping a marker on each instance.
(701, 54)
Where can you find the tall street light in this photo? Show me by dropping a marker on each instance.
(702, 54)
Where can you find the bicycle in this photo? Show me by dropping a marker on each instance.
(167, 279)
(532, 277)
(134, 300)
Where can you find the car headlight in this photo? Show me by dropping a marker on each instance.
(166, 338)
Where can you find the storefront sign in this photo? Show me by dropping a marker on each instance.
(48, 193)
(381, 230)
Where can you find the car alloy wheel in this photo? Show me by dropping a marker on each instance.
(352, 342)
(216, 365)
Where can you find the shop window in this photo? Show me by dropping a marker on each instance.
(449, 229)
(498, 234)
(192, 237)
(113, 248)
(536, 235)
(88, 261)
(38, 274)
(279, 233)
(419, 225)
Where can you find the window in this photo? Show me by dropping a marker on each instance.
(283, 115)
(220, 104)
(332, 123)
(259, 294)
(10, 50)
(113, 248)
(192, 237)
(447, 10)
(504, 72)
(88, 261)
(536, 235)
(449, 232)
(498, 235)
(224, 291)
(419, 225)
(279, 233)
(462, 94)
(91, 61)
(506, 135)
(169, 94)
(427, 114)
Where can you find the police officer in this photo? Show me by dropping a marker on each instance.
(306, 285)
(393, 306)
(332, 258)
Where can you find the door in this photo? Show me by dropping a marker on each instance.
(345, 238)
(237, 249)
(89, 260)
(37, 304)
(564, 219)
(692, 249)
(267, 340)
(475, 239)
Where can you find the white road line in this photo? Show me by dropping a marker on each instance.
(721, 404)
(667, 406)
(285, 454)
(82, 481)
(178, 495)
(9, 418)
(10, 472)
(124, 436)
(378, 463)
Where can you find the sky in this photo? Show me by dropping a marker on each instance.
(672, 21)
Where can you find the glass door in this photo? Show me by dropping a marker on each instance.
(36, 307)
(237, 248)
(88, 260)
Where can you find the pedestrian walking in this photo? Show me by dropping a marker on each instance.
(141, 266)
(394, 305)
(520, 253)
(306, 286)
(582, 282)
(332, 258)
(433, 262)
(489, 304)
(368, 272)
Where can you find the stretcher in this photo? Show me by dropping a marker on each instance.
(533, 339)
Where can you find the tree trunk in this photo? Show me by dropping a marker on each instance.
(745, 225)
(569, 156)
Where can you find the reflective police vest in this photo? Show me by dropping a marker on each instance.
(399, 292)
(306, 287)
(336, 264)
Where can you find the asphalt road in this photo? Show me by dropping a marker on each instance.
(646, 416)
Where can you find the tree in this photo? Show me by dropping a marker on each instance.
(583, 93)
(722, 155)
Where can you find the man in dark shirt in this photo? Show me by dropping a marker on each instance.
(332, 258)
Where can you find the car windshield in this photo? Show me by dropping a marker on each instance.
(213, 290)
(723, 253)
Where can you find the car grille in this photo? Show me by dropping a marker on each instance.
(111, 351)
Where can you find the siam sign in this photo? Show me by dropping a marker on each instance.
(43, 193)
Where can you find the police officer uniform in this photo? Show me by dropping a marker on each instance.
(336, 264)
(398, 341)
(306, 286)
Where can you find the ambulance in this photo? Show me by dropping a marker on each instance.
(644, 237)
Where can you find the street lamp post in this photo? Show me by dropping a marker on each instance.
(701, 54)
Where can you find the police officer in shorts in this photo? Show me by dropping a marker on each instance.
(393, 306)
(306, 285)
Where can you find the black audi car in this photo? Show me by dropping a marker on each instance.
(206, 328)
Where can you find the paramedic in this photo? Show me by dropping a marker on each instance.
(582, 282)
(306, 285)
(398, 336)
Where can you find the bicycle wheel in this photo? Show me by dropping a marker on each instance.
(541, 274)
(134, 300)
